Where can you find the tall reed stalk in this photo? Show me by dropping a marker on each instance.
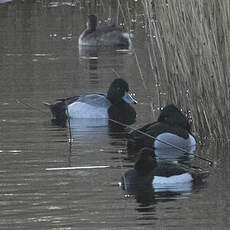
(190, 56)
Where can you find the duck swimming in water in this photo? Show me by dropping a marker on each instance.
(171, 127)
(114, 105)
(108, 35)
(162, 176)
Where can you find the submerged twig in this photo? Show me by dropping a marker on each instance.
(69, 125)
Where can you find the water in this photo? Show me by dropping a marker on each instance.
(40, 61)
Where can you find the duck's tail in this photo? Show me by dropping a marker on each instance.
(199, 176)
(46, 104)
(58, 111)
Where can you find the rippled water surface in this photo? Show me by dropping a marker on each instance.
(40, 61)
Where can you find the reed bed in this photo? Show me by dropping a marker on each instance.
(190, 57)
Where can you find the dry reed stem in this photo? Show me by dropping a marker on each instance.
(189, 51)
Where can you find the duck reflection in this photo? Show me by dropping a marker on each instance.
(89, 57)
(175, 155)
(94, 130)
(151, 179)
(170, 155)
(92, 53)
(85, 127)
(97, 59)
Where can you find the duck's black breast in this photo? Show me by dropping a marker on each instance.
(132, 181)
(123, 113)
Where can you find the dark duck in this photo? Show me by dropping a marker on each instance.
(149, 173)
(171, 127)
(108, 35)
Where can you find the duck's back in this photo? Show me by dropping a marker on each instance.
(95, 99)
(90, 106)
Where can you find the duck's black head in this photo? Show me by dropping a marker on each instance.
(146, 161)
(173, 116)
(92, 22)
(118, 92)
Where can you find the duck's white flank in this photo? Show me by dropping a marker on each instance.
(178, 183)
(182, 178)
(83, 110)
(174, 140)
(89, 106)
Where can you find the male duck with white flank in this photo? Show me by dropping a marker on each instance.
(108, 35)
(172, 127)
(115, 105)
(162, 176)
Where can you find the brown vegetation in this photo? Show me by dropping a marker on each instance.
(190, 56)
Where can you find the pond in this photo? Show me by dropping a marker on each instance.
(41, 61)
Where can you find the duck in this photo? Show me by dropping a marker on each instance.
(115, 105)
(172, 129)
(162, 176)
(109, 35)
(5, 1)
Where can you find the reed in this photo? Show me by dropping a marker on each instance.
(189, 53)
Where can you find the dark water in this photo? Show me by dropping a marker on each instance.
(40, 61)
